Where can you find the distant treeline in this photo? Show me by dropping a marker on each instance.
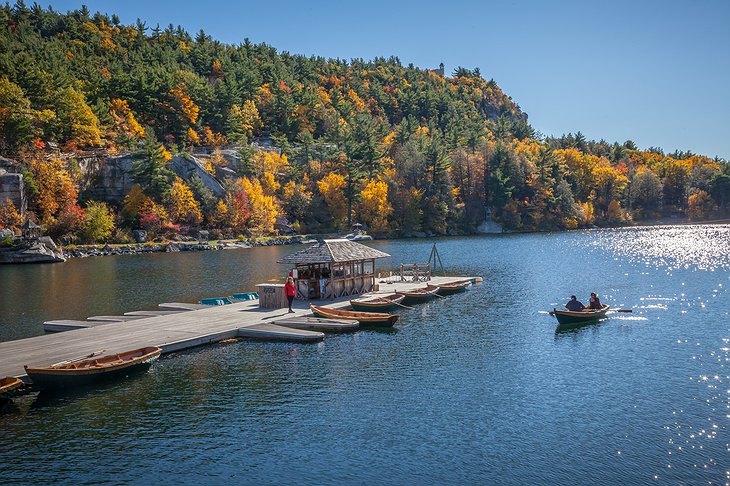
(397, 148)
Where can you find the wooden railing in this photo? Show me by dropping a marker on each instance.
(415, 272)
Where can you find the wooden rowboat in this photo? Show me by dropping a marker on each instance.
(364, 318)
(8, 387)
(451, 287)
(418, 295)
(74, 373)
(377, 303)
(568, 318)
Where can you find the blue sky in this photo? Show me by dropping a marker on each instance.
(655, 72)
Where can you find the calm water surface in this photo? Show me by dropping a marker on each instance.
(476, 388)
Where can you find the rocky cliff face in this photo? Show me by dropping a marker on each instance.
(110, 178)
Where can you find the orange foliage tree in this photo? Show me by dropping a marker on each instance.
(56, 187)
(9, 216)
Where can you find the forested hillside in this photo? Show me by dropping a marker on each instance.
(397, 148)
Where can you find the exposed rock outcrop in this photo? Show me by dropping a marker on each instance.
(43, 250)
(11, 186)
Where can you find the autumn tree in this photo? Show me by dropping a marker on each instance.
(699, 205)
(238, 210)
(264, 208)
(331, 188)
(99, 222)
(54, 187)
(243, 121)
(297, 201)
(374, 207)
(76, 125)
(183, 206)
(9, 215)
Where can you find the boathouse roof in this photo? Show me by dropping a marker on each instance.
(333, 251)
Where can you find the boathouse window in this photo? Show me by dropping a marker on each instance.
(368, 267)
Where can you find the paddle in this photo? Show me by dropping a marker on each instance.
(80, 358)
(623, 310)
(406, 306)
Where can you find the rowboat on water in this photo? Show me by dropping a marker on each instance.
(80, 372)
(364, 318)
(451, 287)
(8, 386)
(418, 295)
(379, 303)
(575, 318)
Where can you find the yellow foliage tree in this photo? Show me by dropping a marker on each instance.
(264, 209)
(192, 137)
(586, 213)
(699, 205)
(77, 124)
(183, 206)
(213, 139)
(135, 200)
(9, 216)
(269, 184)
(124, 119)
(243, 122)
(56, 187)
(297, 200)
(272, 162)
(187, 105)
(331, 188)
(374, 206)
(220, 214)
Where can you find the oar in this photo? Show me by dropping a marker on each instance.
(623, 310)
(80, 358)
(406, 306)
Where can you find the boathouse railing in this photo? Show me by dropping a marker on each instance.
(415, 272)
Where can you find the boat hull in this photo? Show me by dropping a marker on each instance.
(61, 377)
(376, 304)
(450, 289)
(416, 297)
(8, 387)
(364, 318)
(569, 318)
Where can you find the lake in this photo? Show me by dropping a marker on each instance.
(474, 388)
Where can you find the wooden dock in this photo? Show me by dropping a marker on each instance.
(194, 326)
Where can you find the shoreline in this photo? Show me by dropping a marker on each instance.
(173, 246)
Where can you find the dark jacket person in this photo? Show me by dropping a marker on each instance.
(574, 304)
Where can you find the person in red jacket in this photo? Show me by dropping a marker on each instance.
(290, 291)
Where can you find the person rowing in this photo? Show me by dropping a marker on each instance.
(574, 304)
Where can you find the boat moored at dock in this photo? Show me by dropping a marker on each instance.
(379, 303)
(84, 371)
(451, 287)
(8, 386)
(415, 296)
(364, 318)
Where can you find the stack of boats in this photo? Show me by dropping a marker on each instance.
(374, 310)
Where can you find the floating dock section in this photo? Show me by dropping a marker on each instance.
(178, 326)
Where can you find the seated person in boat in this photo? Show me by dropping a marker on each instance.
(574, 304)
(594, 303)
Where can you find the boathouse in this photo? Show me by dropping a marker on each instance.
(333, 268)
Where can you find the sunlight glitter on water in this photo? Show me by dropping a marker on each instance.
(671, 247)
